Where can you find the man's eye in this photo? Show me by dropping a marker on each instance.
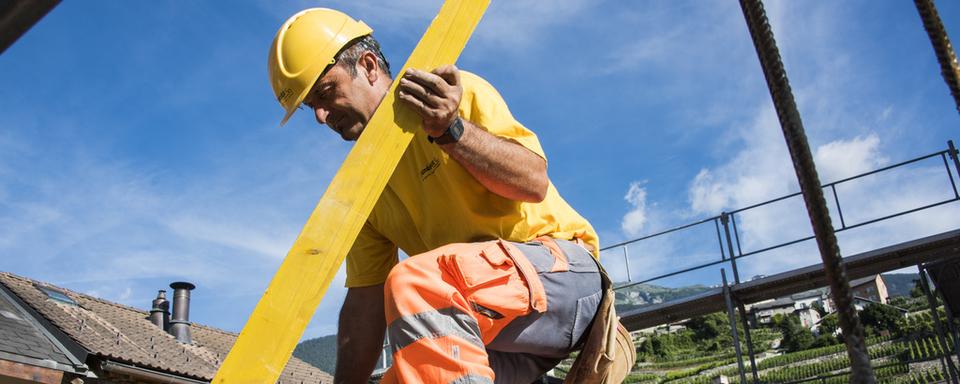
(323, 93)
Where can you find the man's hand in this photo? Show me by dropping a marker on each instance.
(435, 96)
(504, 167)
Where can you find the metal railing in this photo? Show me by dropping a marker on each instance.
(728, 235)
(731, 249)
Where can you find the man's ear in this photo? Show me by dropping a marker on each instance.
(368, 63)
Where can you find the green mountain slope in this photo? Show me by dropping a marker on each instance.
(899, 284)
(320, 352)
(642, 295)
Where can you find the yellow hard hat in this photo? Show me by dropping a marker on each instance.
(304, 47)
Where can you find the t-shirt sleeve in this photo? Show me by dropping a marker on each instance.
(483, 106)
(370, 259)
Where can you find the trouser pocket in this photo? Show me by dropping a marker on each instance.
(493, 285)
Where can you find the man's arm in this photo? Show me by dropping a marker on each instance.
(360, 334)
(502, 166)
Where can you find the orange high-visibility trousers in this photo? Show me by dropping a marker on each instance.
(445, 307)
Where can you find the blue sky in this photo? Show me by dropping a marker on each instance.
(139, 141)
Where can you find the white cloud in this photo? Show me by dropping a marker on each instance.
(126, 295)
(633, 222)
(761, 170)
(843, 158)
(518, 24)
(267, 241)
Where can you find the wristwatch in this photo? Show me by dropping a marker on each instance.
(451, 135)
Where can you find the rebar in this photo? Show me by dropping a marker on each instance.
(793, 132)
(941, 46)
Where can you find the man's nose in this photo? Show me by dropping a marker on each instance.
(321, 114)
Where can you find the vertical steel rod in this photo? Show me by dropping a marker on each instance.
(733, 325)
(953, 155)
(719, 241)
(789, 116)
(941, 46)
(953, 184)
(941, 339)
(836, 199)
(746, 333)
(725, 220)
(736, 234)
(952, 327)
(626, 261)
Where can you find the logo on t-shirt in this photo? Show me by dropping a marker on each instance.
(429, 169)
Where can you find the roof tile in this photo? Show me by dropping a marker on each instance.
(125, 334)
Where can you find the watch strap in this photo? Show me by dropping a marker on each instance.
(451, 135)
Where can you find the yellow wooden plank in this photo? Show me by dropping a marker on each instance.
(279, 319)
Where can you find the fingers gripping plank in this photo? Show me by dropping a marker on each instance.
(279, 319)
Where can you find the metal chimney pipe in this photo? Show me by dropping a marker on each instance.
(180, 323)
(160, 313)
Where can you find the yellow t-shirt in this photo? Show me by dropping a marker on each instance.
(431, 200)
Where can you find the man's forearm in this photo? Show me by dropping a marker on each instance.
(360, 334)
(504, 167)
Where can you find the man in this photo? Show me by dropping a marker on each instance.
(503, 281)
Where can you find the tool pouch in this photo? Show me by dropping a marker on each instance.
(608, 353)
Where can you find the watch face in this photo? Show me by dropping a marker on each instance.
(452, 135)
(456, 129)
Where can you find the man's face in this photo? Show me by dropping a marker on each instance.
(344, 102)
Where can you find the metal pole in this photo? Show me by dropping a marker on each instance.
(941, 46)
(733, 325)
(746, 332)
(725, 220)
(953, 155)
(936, 325)
(626, 261)
(779, 85)
(952, 326)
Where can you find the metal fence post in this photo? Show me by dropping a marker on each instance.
(952, 326)
(733, 325)
(945, 356)
(626, 261)
(953, 155)
(725, 220)
(746, 333)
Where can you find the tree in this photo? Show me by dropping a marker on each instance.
(709, 327)
(881, 317)
(795, 336)
(828, 324)
(818, 306)
(917, 290)
(899, 301)
(824, 340)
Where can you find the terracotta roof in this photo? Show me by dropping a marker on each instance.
(124, 334)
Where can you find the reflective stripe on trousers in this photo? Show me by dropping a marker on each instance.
(463, 313)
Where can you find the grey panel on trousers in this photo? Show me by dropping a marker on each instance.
(572, 299)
